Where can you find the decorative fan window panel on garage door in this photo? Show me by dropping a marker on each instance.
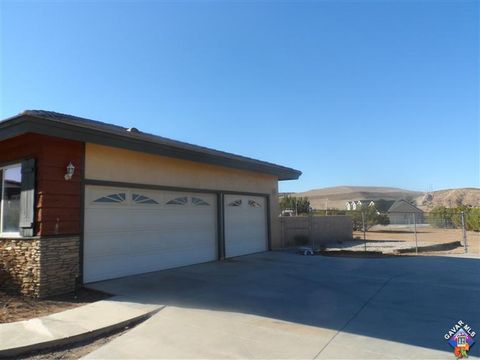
(199, 202)
(254, 204)
(141, 199)
(178, 201)
(113, 198)
(236, 203)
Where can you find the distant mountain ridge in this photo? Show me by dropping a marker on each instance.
(336, 197)
(450, 198)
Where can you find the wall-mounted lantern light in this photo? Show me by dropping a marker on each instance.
(70, 171)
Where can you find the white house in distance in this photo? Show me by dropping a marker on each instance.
(400, 212)
(357, 204)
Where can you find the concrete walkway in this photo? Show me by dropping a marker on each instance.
(279, 305)
(71, 325)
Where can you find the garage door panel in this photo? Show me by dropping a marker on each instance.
(178, 258)
(117, 266)
(245, 225)
(245, 248)
(175, 219)
(171, 241)
(147, 241)
(150, 247)
(106, 219)
(103, 248)
(106, 244)
(138, 232)
(102, 268)
(96, 193)
(185, 228)
(150, 220)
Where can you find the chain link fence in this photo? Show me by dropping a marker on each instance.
(448, 231)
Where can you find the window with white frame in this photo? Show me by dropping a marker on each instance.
(10, 189)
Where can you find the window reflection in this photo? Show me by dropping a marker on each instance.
(11, 189)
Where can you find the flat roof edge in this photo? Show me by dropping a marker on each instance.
(27, 123)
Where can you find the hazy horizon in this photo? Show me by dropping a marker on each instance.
(363, 92)
(383, 187)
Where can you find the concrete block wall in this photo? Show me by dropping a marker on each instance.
(318, 229)
(39, 267)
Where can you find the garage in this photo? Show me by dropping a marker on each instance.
(103, 201)
(132, 231)
(246, 229)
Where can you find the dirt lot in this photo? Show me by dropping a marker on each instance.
(425, 234)
(17, 308)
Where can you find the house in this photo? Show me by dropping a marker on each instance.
(403, 213)
(96, 201)
(381, 205)
(358, 204)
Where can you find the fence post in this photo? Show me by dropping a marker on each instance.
(364, 230)
(464, 230)
(310, 224)
(415, 232)
(282, 229)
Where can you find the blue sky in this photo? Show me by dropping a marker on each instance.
(352, 93)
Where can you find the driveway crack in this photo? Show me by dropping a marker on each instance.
(385, 283)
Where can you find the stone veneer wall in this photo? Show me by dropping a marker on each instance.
(39, 267)
(20, 266)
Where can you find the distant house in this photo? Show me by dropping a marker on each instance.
(358, 204)
(381, 205)
(402, 212)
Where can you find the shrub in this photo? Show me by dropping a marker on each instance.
(300, 205)
(443, 217)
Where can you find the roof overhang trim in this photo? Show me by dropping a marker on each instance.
(24, 123)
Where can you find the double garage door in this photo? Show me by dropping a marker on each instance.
(132, 231)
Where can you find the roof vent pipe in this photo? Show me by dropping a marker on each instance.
(133, 130)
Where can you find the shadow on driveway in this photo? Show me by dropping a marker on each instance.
(408, 300)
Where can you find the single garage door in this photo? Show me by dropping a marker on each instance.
(245, 225)
(132, 231)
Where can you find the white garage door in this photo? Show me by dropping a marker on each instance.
(131, 231)
(245, 225)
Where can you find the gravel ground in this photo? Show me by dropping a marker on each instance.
(426, 236)
(385, 247)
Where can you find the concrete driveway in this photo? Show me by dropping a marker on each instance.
(281, 305)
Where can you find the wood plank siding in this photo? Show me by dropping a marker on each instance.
(57, 209)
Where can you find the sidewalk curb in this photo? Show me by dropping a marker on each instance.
(22, 350)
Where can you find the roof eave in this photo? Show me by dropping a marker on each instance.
(22, 124)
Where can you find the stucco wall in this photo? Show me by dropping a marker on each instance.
(113, 164)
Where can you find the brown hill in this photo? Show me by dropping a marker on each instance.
(336, 197)
(450, 198)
